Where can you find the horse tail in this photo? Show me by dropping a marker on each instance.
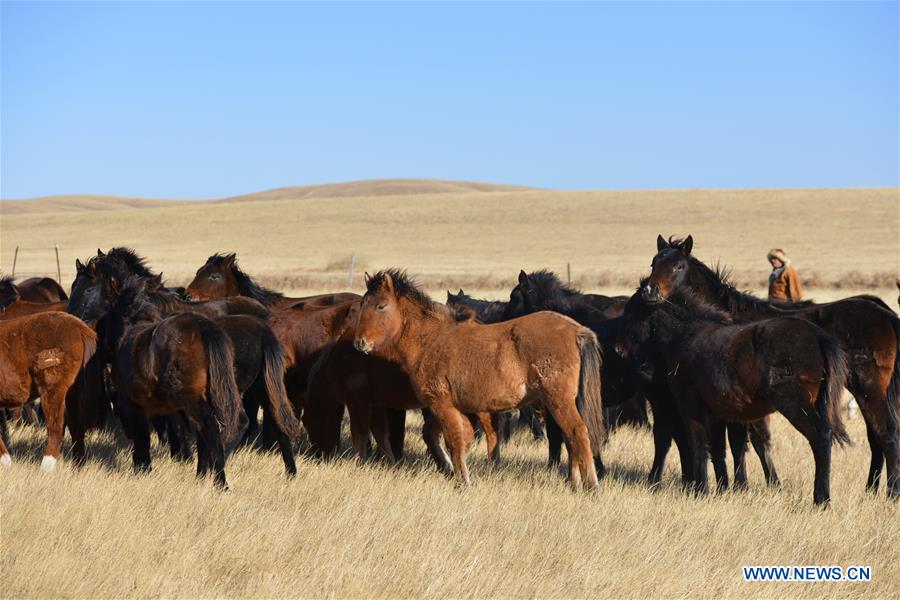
(828, 402)
(222, 387)
(89, 343)
(276, 394)
(589, 400)
(893, 393)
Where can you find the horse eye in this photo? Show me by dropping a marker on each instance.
(381, 306)
(679, 267)
(214, 276)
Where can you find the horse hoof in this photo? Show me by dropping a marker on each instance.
(5, 460)
(48, 464)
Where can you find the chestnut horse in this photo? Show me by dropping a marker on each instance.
(458, 367)
(221, 277)
(865, 327)
(43, 355)
(718, 371)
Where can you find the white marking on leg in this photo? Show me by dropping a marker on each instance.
(48, 463)
(5, 460)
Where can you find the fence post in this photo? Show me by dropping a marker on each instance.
(352, 265)
(58, 270)
(15, 258)
(569, 273)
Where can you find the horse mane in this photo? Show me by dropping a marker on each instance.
(9, 293)
(724, 292)
(406, 287)
(548, 284)
(245, 283)
(135, 295)
(136, 265)
(486, 311)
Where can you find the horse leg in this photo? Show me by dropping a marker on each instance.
(578, 445)
(458, 434)
(397, 431)
(54, 400)
(215, 450)
(534, 421)
(761, 438)
(717, 451)
(177, 429)
(251, 408)
(5, 459)
(379, 423)
(431, 435)
(554, 440)
(139, 427)
(490, 423)
(877, 463)
(817, 431)
(360, 416)
(737, 439)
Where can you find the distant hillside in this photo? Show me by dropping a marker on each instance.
(374, 187)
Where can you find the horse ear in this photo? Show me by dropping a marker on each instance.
(100, 252)
(461, 292)
(688, 244)
(523, 277)
(387, 282)
(78, 266)
(367, 278)
(229, 260)
(156, 280)
(661, 243)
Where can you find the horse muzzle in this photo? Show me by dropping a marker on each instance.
(650, 293)
(363, 346)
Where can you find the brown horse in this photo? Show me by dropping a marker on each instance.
(35, 289)
(42, 356)
(866, 328)
(221, 277)
(178, 364)
(458, 367)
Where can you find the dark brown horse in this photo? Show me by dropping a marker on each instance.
(221, 277)
(259, 360)
(458, 367)
(182, 364)
(35, 289)
(868, 331)
(718, 371)
(43, 355)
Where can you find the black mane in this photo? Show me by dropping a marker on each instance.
(9, 293)
(245, 284)
(548, 285)
(486, 311)
(135, 265)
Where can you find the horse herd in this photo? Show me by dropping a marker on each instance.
(200, 362)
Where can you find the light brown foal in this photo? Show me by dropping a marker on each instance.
(457, 366)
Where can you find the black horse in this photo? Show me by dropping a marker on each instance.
(865, 327)
(719, 371)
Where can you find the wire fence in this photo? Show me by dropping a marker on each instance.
(52, 253)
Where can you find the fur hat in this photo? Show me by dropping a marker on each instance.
(779, 254)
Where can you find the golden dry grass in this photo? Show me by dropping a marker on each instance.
(345, 530)
(481, 240)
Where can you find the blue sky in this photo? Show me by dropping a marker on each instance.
(207, 100)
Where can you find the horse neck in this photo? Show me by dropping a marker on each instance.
(709, 287)
(416, 336)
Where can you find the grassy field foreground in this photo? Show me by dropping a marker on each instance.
(344, 530)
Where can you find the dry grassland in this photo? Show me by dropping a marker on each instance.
(480, 240)
(344, 530)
